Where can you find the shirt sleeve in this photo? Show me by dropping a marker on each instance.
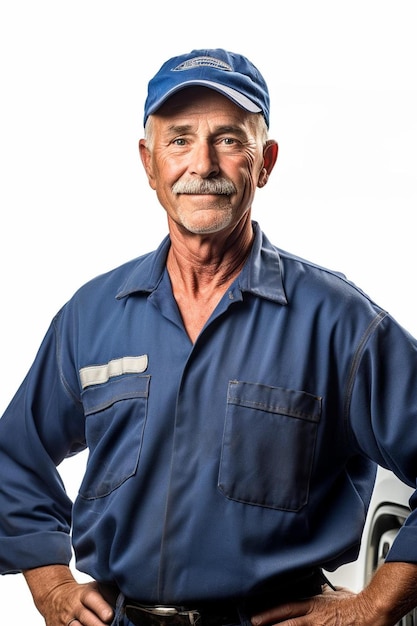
(42, 425)
(382, 412)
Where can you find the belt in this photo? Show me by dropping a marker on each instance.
(211, 614)
(219, 613)
(143, 615)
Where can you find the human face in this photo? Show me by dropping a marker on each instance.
(204, 157)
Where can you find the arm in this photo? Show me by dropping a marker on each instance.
(47, 423)
(60, 598)
(390, 595)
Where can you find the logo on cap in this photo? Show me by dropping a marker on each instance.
(203, 61)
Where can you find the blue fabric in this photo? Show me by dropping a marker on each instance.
(224, 463)
(231, 74)
(119, 617)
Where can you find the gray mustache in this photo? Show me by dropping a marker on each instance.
(219, 186)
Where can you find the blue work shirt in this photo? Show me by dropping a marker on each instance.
(216, 466)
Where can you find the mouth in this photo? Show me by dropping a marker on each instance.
(201, 193)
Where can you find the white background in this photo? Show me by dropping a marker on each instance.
(74, 199)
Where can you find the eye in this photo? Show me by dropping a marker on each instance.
(232, 141)
(179, 141)
(229, 141)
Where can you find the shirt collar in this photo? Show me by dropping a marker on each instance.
(261, 275)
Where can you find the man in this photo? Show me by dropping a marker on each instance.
(235, 401)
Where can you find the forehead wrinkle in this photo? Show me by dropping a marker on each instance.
(184, 129)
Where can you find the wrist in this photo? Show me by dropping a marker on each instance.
(43, 581)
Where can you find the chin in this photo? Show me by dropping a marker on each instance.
(208, 227)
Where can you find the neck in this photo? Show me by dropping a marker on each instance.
(207, 263)
(201, 269)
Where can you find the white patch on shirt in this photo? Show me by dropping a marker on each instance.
(99, 374)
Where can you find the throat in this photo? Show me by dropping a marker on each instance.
(196, 309)
(198, 286)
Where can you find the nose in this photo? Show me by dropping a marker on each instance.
(204, 160)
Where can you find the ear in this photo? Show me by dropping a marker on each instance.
(270, 158)
(146, 158)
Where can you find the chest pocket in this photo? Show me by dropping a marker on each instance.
(268, 445)
(115, 419)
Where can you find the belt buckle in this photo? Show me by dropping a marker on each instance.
(162, 615)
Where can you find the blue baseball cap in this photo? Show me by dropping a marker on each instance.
(232, 75)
